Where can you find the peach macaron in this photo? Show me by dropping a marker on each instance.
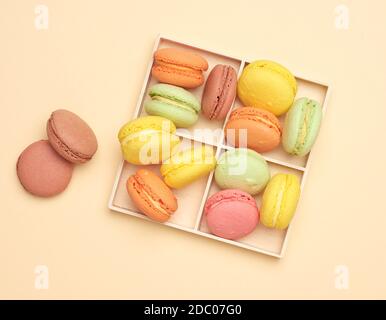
(151, 195)
(261, 129)
(179, 67)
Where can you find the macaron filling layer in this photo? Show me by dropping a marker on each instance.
(185, 160)
(175, 65)
(278, 204)
(224, 200)
(174, 102)
(168, 169)
(185, 71)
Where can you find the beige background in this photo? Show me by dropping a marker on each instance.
(92, 59)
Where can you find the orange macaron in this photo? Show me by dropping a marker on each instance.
(261, 128)
(151, 195)
(179, 67)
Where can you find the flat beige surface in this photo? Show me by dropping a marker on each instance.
(92, 60)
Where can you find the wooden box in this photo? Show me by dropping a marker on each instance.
(191, 199)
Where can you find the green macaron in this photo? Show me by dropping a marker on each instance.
(301, 126)
(173, 103)
(242, 169)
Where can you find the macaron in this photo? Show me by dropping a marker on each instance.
(179, 67)
(71, 136)
(256, 128)
(188, 165)
(301, 126)
(151, 195)
(231, 214)
(219, 92)
(42, 171)
(173, 103)
(148, 140)
(268, 85)
(279, 201)
(242, 169)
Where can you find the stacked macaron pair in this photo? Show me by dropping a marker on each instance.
(45, 167)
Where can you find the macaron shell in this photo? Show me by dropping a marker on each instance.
(187, 166)
(71, 136)
(219, 92)
(242, 169)
(262, 136)
(144, 185)
(302, 126)
(268, 85)
(181, 57)
(279, 201)
(181, 118)
(228, 194)
(230, 216)
(42, 171)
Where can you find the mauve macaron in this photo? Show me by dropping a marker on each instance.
(231, 214)
(71, 136)
(219, 92)
(42, 171)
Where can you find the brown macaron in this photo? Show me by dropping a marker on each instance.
(219, 92)
(71, 136)
(42, 171)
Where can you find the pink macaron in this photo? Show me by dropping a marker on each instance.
(42, 171)
(231, 214)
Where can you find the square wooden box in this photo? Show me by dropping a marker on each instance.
(189, 215)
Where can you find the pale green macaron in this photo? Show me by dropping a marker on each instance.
(173, 103)
(242, 169)
(301, 126)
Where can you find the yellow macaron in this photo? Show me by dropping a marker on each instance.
(188, 165)
(148, 140)
(279, 202)
(268, 85)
